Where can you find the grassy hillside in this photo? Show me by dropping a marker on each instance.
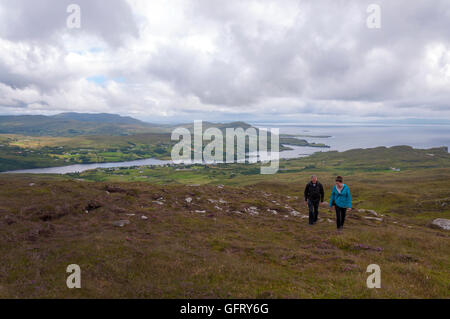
(239, 233)
(369, 172)
(235, 242)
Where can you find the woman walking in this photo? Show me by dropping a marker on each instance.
(341, 200)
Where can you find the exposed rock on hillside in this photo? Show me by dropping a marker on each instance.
(441, 223)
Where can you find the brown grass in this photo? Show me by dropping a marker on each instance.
(224, 252)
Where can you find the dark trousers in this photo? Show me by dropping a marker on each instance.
(340, 216)
(313, 206)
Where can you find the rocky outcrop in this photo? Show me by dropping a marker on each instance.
(441, 223)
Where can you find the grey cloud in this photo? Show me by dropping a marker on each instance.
(28, 75)
(16, 104)
(39, 20)
(326, 62)
(13, 80)
(333, 43)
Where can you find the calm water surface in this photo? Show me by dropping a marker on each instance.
(341, 138)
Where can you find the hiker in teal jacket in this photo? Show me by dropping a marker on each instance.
(341, 199)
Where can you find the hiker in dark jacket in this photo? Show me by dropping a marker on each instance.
(314, 194)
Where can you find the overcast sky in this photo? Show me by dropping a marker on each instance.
(294, 61)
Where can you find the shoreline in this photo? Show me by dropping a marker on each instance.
(58, 170)
(151, 161)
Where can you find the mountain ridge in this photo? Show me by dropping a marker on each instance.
(77, 124)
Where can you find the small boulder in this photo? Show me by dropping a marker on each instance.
(372, 212)
(374, 218)
(253, 211)
(441, 223)
(121, 223)
(295, 213)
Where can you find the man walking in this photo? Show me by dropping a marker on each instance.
(314, 194)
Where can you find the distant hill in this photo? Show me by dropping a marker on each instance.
(72, 124)
(220, 126)
(99, 118)
(76, 124)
